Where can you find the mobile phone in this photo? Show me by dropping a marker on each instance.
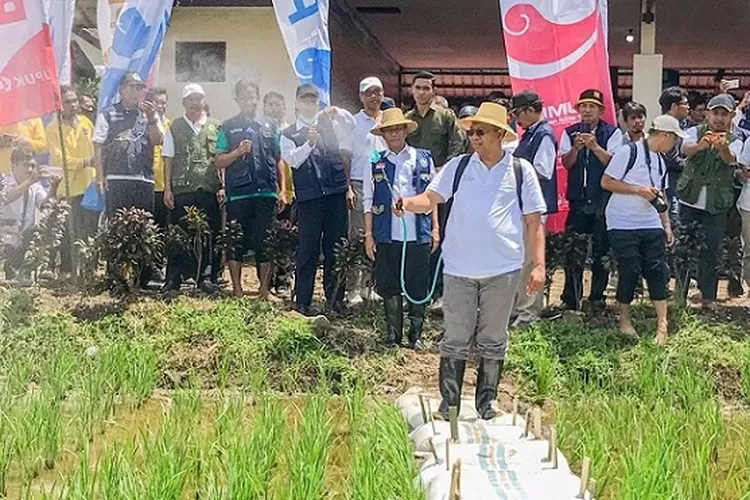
(732, 84)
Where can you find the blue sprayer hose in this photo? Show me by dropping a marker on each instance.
(403, 272)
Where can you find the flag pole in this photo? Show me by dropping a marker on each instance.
(66, 179)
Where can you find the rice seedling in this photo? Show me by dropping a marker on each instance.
(309, 451)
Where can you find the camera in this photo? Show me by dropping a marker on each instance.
(660, 203)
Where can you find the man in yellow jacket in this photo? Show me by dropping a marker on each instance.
(158, 96)
(77, 134)
(28, 134)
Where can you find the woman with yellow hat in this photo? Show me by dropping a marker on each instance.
(492, 198)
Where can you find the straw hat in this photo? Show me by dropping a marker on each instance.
(490, 114)
(392, 118)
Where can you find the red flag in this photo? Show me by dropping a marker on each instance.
(558, 49)
(28, 78)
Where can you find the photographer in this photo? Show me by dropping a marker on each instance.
(638, 220)
(21, 197)
(706, 187)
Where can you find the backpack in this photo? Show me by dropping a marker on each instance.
(461, 169)
(631, 163)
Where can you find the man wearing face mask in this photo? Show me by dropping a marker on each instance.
(586, 148)
(312, 147)
(359, 148)
(706, 187)
(191, 179)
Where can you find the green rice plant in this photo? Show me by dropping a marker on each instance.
(7, 450)
(141, 373)
(81, 485)
(382, 465)
(309, 451)
(117, 477)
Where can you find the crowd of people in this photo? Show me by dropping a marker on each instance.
(337, 175)
(461, 197)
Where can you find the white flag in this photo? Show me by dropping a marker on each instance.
(136, 43)
(304, 25)
(60, 15)
(107, 13)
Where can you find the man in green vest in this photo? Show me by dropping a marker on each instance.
(191, 179)
(706, 187)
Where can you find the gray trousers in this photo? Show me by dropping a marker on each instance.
(356, 280)
(528, 308)
(746, 245)
(477, 311)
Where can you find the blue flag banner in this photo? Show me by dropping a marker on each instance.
(136, 43)
(304, 26)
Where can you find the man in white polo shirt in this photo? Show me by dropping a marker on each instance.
(358, 148)
(491, 199)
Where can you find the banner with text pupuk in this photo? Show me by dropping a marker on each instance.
(304, 26)
(136, 43)
(558, 49)
(28, 79)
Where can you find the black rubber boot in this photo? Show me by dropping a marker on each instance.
(416, 325)
(488, 378)
(394, 321)
(451, 380)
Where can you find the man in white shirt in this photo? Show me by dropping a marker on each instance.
(638, 220)
(21, 198)
(634, 114)
(743, 205)
(358, 149)
(492, 199)
(538, 146)
(399, 171)
(586, 148)
(312, 147)
(706, 187)
(191, 179)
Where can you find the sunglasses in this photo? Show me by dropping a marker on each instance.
(479, 132)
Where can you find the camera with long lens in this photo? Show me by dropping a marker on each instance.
(660, 203)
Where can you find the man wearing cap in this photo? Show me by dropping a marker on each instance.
(706, 187)
(191, 179)
(438, 133)
(124, 140)
(466, 112)
(638, 220)
(492, 199)
(312, 147)
(255, 177)
(358, 149)
(538, 146)
(397, 171)
(586, 148)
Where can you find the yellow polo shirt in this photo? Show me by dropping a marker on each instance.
(159, 159)
(289, 185)
(79, 150)
(33, 130)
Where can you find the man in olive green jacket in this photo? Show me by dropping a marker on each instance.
(191, 179)
(706, 187)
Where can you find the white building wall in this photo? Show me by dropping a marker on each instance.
(255, 49)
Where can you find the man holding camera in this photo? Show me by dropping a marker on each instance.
(586, 148)
(706, 187)
(638, 219)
